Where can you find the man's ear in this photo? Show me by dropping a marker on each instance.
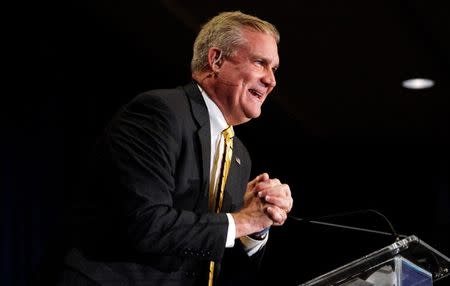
(215, 59)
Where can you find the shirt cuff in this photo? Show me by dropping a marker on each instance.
(251, 246)
(231, 233)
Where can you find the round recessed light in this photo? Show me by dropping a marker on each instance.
(418, 83)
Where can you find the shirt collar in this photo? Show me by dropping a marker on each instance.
(216, 118)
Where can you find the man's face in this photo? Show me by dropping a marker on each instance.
(245, 79)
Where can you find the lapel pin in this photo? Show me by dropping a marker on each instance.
(238, 160)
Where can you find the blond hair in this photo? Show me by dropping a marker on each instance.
(224, 32)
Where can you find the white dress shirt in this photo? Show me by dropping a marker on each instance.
(218, 124)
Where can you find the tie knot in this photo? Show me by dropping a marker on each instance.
(228, 133)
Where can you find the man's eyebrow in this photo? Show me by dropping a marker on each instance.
(275, 66)
(265, 59)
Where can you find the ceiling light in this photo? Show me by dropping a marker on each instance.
(418, 83)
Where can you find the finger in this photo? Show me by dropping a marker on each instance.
(275, 181)
(267, 184)
(281, 190)
(288, 192)
(263, 177)
(283, 203)
(260, 178)
(271, 183)
(290, 205)
(277, 215)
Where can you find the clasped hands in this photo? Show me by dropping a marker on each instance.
(275, 197)
(266, 202)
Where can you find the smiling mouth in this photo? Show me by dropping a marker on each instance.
(256, 93)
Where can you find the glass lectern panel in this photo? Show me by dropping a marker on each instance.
(406, 262)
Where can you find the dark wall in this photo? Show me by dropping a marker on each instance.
(338, 128)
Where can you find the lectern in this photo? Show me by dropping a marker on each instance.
(406, 262)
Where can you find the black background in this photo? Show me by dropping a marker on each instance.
(339, 128)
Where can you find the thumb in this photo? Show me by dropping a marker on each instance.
(260, 178)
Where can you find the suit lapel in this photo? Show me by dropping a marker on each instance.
(201, 116)
(232, 188)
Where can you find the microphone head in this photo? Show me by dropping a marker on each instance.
(224, 81)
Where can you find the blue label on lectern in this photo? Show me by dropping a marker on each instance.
(412, 275)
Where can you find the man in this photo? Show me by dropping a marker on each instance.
(168, 205)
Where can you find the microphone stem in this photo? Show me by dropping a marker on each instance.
(345, 226)
(350, 227)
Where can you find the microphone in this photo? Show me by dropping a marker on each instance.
(317, 220)
(220, 79)
(225, 82)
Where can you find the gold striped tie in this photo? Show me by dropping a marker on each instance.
(216, 194)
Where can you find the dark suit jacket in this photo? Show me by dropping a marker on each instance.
(144, 219)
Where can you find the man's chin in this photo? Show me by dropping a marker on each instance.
(256, 114)
(248, 116)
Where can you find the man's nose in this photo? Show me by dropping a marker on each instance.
(269, 79)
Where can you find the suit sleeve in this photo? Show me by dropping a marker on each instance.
(139, 156)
